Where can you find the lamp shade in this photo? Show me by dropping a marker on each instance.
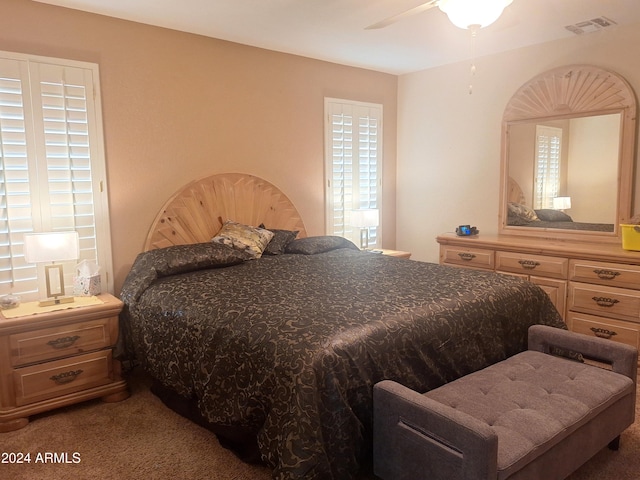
(561, 203)
(364, 218)
(51, 247)
(473, 13)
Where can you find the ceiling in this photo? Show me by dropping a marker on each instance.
(334, 30)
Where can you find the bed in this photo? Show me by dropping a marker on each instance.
(284, 348)
(519, 214)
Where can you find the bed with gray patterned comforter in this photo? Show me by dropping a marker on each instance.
(291, 345)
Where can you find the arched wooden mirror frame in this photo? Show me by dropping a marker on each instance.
(563, 93)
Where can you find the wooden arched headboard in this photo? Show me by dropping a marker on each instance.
(514, 193)
(197, 211)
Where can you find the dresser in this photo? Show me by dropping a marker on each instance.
(58, 358)
(596, 287)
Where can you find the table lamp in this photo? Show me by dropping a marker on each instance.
(365, 219)
(52, 247)
(561, 203)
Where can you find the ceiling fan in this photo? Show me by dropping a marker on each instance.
(471, 14)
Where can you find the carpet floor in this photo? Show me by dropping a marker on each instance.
(141, 438)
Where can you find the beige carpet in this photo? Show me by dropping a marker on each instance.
(141, 438)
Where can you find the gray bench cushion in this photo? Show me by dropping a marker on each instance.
(533, 401)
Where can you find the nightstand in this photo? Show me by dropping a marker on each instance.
(57, 358)
(396, 253)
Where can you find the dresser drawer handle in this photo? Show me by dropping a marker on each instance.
(603, 332)
(63, 342)
(528, 264)
(606, 274)
(466, 256)
(66, 377)
(605, 301)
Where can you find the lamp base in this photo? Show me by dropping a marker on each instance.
(55, 301)
(364, 239)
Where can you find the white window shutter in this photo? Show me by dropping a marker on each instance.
(353, 134)
(61, 163)
(548, 158)
(17, 146)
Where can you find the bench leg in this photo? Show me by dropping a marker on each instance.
(614, 444)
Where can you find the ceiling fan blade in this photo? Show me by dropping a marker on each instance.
(400, 16)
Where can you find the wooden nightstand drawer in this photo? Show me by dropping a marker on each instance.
(60, 377)
(468, 257)
(608, 328)
(57, 357)
(554, 267)
(607, 301)
(62, 341)
(613, 274)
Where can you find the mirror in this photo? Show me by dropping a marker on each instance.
(567, 156)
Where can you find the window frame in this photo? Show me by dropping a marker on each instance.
(369, 194)
(97, 246)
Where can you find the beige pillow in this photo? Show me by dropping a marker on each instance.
(522, 211)
(251, 240)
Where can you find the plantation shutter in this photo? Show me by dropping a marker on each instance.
(548, 155)
(51, 164)
(353, 164)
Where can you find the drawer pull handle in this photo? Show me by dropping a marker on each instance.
(66, 377)
(605, 302)
(603, 332)
(606, 274)
(528, 264)
(63, 342)
(466, 256)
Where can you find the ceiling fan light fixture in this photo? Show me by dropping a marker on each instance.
(473, 13)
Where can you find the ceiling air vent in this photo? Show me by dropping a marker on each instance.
(589, 26)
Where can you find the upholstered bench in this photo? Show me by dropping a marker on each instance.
(535, 415)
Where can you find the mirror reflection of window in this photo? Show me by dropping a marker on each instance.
(548, 165)
(596, 110)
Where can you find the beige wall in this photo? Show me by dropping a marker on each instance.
(178, 106)
(448, 137)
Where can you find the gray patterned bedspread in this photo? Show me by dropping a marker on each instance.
(291, 345)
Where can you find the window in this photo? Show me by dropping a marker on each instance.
(353, 162)
(547, 175)
(52, 167)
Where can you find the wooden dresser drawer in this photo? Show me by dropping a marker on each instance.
(541, 265)
(616, 330)
(555, 289)
(57, 342)
(606, 301)
(61, 377)
(468, 257)
(613, 274)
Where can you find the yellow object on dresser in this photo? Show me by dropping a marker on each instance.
(57, 358)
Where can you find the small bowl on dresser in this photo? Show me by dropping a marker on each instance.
(9, 301)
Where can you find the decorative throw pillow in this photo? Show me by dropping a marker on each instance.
(252, 240)
(320, 244)
(280, 240)
(550, 215)
(522, 211)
